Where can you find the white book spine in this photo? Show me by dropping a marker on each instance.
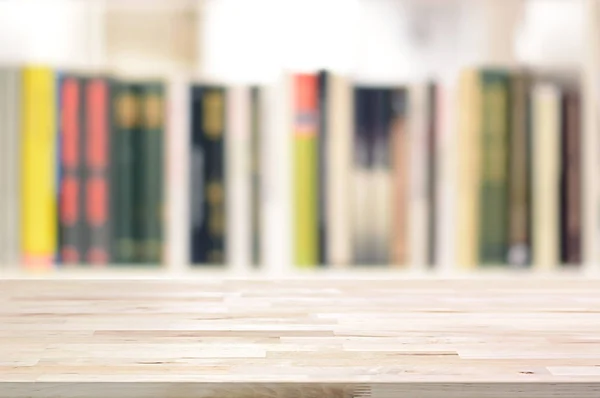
(591, 126)
(9, 164)
(446, 172)
(418, 221)
(177, 192)
(4, 169)
(546, 167)
(238, 174)
(339, 158)
(276, 245)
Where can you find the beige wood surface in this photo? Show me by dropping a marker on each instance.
(523, 331)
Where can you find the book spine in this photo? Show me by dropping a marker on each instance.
(208, 188)
(199, 246)
(150, 200)
(571, 180)
(338, 170)
(38, 148)
(238, 178)
(493, 214)
(400, 192)
(432, 158)
(4, 163)
(71, 221)
(177, 193)
(360, 173)
(590, 81)
(10, 148)
(419, 204)
(447, 173)
(4, 169)
(467, 201)
(58, 76)
(519, 239)
(97, 172)
(367, 187)
(255, 167)
(138, 175)
(382, 177)
(305, 132)
(546, 159)
(126, 116)
(277, 112)
(322, 166)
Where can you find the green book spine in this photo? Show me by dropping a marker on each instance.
(519, 229)
(126, 121)
(493, 197)
(151, 173)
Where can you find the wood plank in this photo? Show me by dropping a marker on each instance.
(509, 337)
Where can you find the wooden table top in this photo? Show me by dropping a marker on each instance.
(333, 333)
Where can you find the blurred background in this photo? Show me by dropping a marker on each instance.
(243, 136)
(232, 39)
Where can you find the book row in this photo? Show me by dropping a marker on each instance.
(311, 170)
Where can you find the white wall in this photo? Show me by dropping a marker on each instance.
(384, 49)
(376, 40)
(249, 40)
(553, 34)
(252, 40)
(46, 31)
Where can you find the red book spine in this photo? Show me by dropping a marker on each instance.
(97, 172)
(71, 238)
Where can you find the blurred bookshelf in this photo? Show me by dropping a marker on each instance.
(371, 138)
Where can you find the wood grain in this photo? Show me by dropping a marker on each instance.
(341, 335)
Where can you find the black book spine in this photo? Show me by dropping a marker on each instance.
(364, 101)
(208, 174)
(382, 165)
(571, 180)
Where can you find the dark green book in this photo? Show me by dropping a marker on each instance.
(126, 122)
(493, 213)
(519, 173)
(150, 201)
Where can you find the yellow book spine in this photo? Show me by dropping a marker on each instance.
(305, 171)
(546, 108)
(305, 151)
(468, 168)
(38, 157)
